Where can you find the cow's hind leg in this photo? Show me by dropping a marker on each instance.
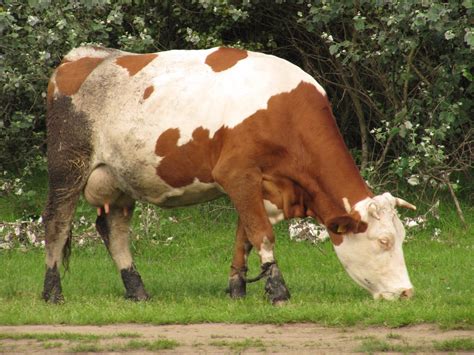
(57, 219)
(113, 227)
(69, 154)
(238, 269)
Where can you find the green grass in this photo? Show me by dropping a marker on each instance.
(187, 276)
(393, 336)
(86, 348)
(91, 343)
(52, 345)
(376, 345)
(51, 336)
(74, 337)
(371, 344)
(460, 344)
(240, 345)
(153, 345)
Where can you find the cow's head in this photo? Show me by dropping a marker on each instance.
(368, 241)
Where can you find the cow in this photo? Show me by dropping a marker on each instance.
(181, 127)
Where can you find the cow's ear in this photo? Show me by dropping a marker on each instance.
(348, 223)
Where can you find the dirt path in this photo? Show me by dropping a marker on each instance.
(223, 338)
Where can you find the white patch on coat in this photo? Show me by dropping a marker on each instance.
(90, 52)
(214, 100)
(274, 214)
(373, 263)
(266, 251)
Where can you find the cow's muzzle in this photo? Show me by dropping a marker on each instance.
(405, 293)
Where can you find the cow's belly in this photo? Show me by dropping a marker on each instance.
(106, 186)
(192, 194)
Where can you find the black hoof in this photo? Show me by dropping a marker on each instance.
(237, 287)
(140, 295)
(135, 290)
(275, 287)
(53, 298)
(52, 292)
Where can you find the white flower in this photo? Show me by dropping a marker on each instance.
(449, 35)
(413, 180)
(33, 20)
(31, 237)
(5, 246)
(306, 230)
(411, 223)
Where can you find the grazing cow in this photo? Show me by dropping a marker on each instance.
(182, 127)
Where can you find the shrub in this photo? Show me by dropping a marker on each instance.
(398, 73)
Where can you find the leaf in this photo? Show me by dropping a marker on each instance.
(333, 49)
(469, 37)
(468, 4)
(359, 23)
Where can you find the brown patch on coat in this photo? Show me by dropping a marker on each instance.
(286, 195)
(195, 159)
(305, 166)
(225, 58)
(71, 75)
(345, 223)
(148, 91)
(135, 62)
(167, 142)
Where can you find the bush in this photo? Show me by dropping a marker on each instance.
(398, 73)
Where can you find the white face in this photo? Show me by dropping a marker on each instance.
(374, 258)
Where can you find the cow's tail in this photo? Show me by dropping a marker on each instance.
(67, 252)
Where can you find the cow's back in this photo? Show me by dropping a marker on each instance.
(142, 106)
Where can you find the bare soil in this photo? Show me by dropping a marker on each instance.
(232, 338)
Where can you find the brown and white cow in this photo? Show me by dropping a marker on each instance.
(182, 127)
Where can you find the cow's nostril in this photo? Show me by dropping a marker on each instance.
(407, 293)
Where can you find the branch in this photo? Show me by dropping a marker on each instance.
(455, 199)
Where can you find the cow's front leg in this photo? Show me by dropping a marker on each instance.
(275, 286)
(245, 190)
(113, 227)
(238, 269)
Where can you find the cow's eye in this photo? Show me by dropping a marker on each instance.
(385, 243)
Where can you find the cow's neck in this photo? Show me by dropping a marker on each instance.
(325, 169)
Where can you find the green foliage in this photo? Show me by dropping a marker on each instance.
(399, 73)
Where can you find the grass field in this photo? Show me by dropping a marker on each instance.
(185, 260)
